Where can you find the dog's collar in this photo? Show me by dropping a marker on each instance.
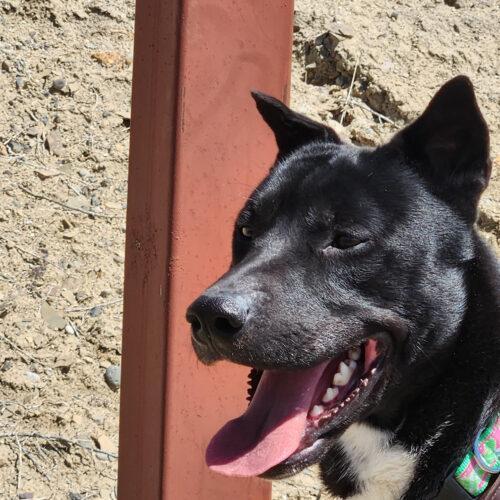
(478, 469)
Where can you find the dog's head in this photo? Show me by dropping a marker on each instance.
(346, 280)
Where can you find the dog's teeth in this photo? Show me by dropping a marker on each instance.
(341, 405)
(364, 382)
(373, 370)
(330, 395)
(344, 369)
(335, 410)
(316, 411)
(340, 379)
(355, 354)
(348, 399)
(357, 390)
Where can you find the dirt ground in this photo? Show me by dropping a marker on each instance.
(65, 75)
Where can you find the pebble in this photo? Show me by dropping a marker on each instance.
(80, 296)
(20, 83)
(16, 147)
(53, 143)
(69, 329)
(112, 376)
(34, 131)
(95, 201)
(25, 496)
(95, 311)
(35, 379)
(74, 496)
(83, 172)
(6, 66)
(59, 84)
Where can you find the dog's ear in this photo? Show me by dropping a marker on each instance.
(449, 145)
(291, 129)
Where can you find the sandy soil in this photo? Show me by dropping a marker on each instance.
(65, 75)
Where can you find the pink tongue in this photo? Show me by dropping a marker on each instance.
(272, 427)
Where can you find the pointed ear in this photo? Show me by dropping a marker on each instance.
(291, 129)
(449, 146)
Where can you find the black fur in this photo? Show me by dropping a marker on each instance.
(342, 243)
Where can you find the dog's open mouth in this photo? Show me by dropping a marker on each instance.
(290, 411)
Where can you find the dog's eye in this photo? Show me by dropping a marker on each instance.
(246, 231)
(345, 241)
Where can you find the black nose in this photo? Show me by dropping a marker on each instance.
(220, 316)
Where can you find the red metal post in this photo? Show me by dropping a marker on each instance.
(197, 149)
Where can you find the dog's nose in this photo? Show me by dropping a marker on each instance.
(220, 316)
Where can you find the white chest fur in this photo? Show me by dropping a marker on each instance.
(384, 470)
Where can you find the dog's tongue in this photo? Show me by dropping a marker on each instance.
(272, 427)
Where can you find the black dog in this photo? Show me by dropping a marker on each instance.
(366, 304)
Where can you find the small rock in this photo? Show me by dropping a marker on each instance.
(112, 376)
(83, 173)
(69, 329)
(25, 496)
(105, 443)
(95, 201)
(6, 66)
(58, 84)
(394, 15)
(47, 173)
(34, 378)
(53, 143)
(75, 496)
(3, 150)
(34, 131)
(16, 147)
(20, 83)
(95, 311)
(6, 365)
(52, 317)
(81, 297)
(109, 59)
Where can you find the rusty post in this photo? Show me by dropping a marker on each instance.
(197, 148)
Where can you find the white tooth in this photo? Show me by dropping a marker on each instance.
(365, 382)
(316, 411)
(345, 370)
(342, 405)
(335, 410)
(373, 371)
(347, 400)
(355, 353)
(340, 379)
(330, 395)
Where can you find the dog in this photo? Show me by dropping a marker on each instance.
(365, 303)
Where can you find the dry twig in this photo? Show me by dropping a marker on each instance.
(63, 205)
(362, 105)
(348, 98)
(84, 309)
(59, 439)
